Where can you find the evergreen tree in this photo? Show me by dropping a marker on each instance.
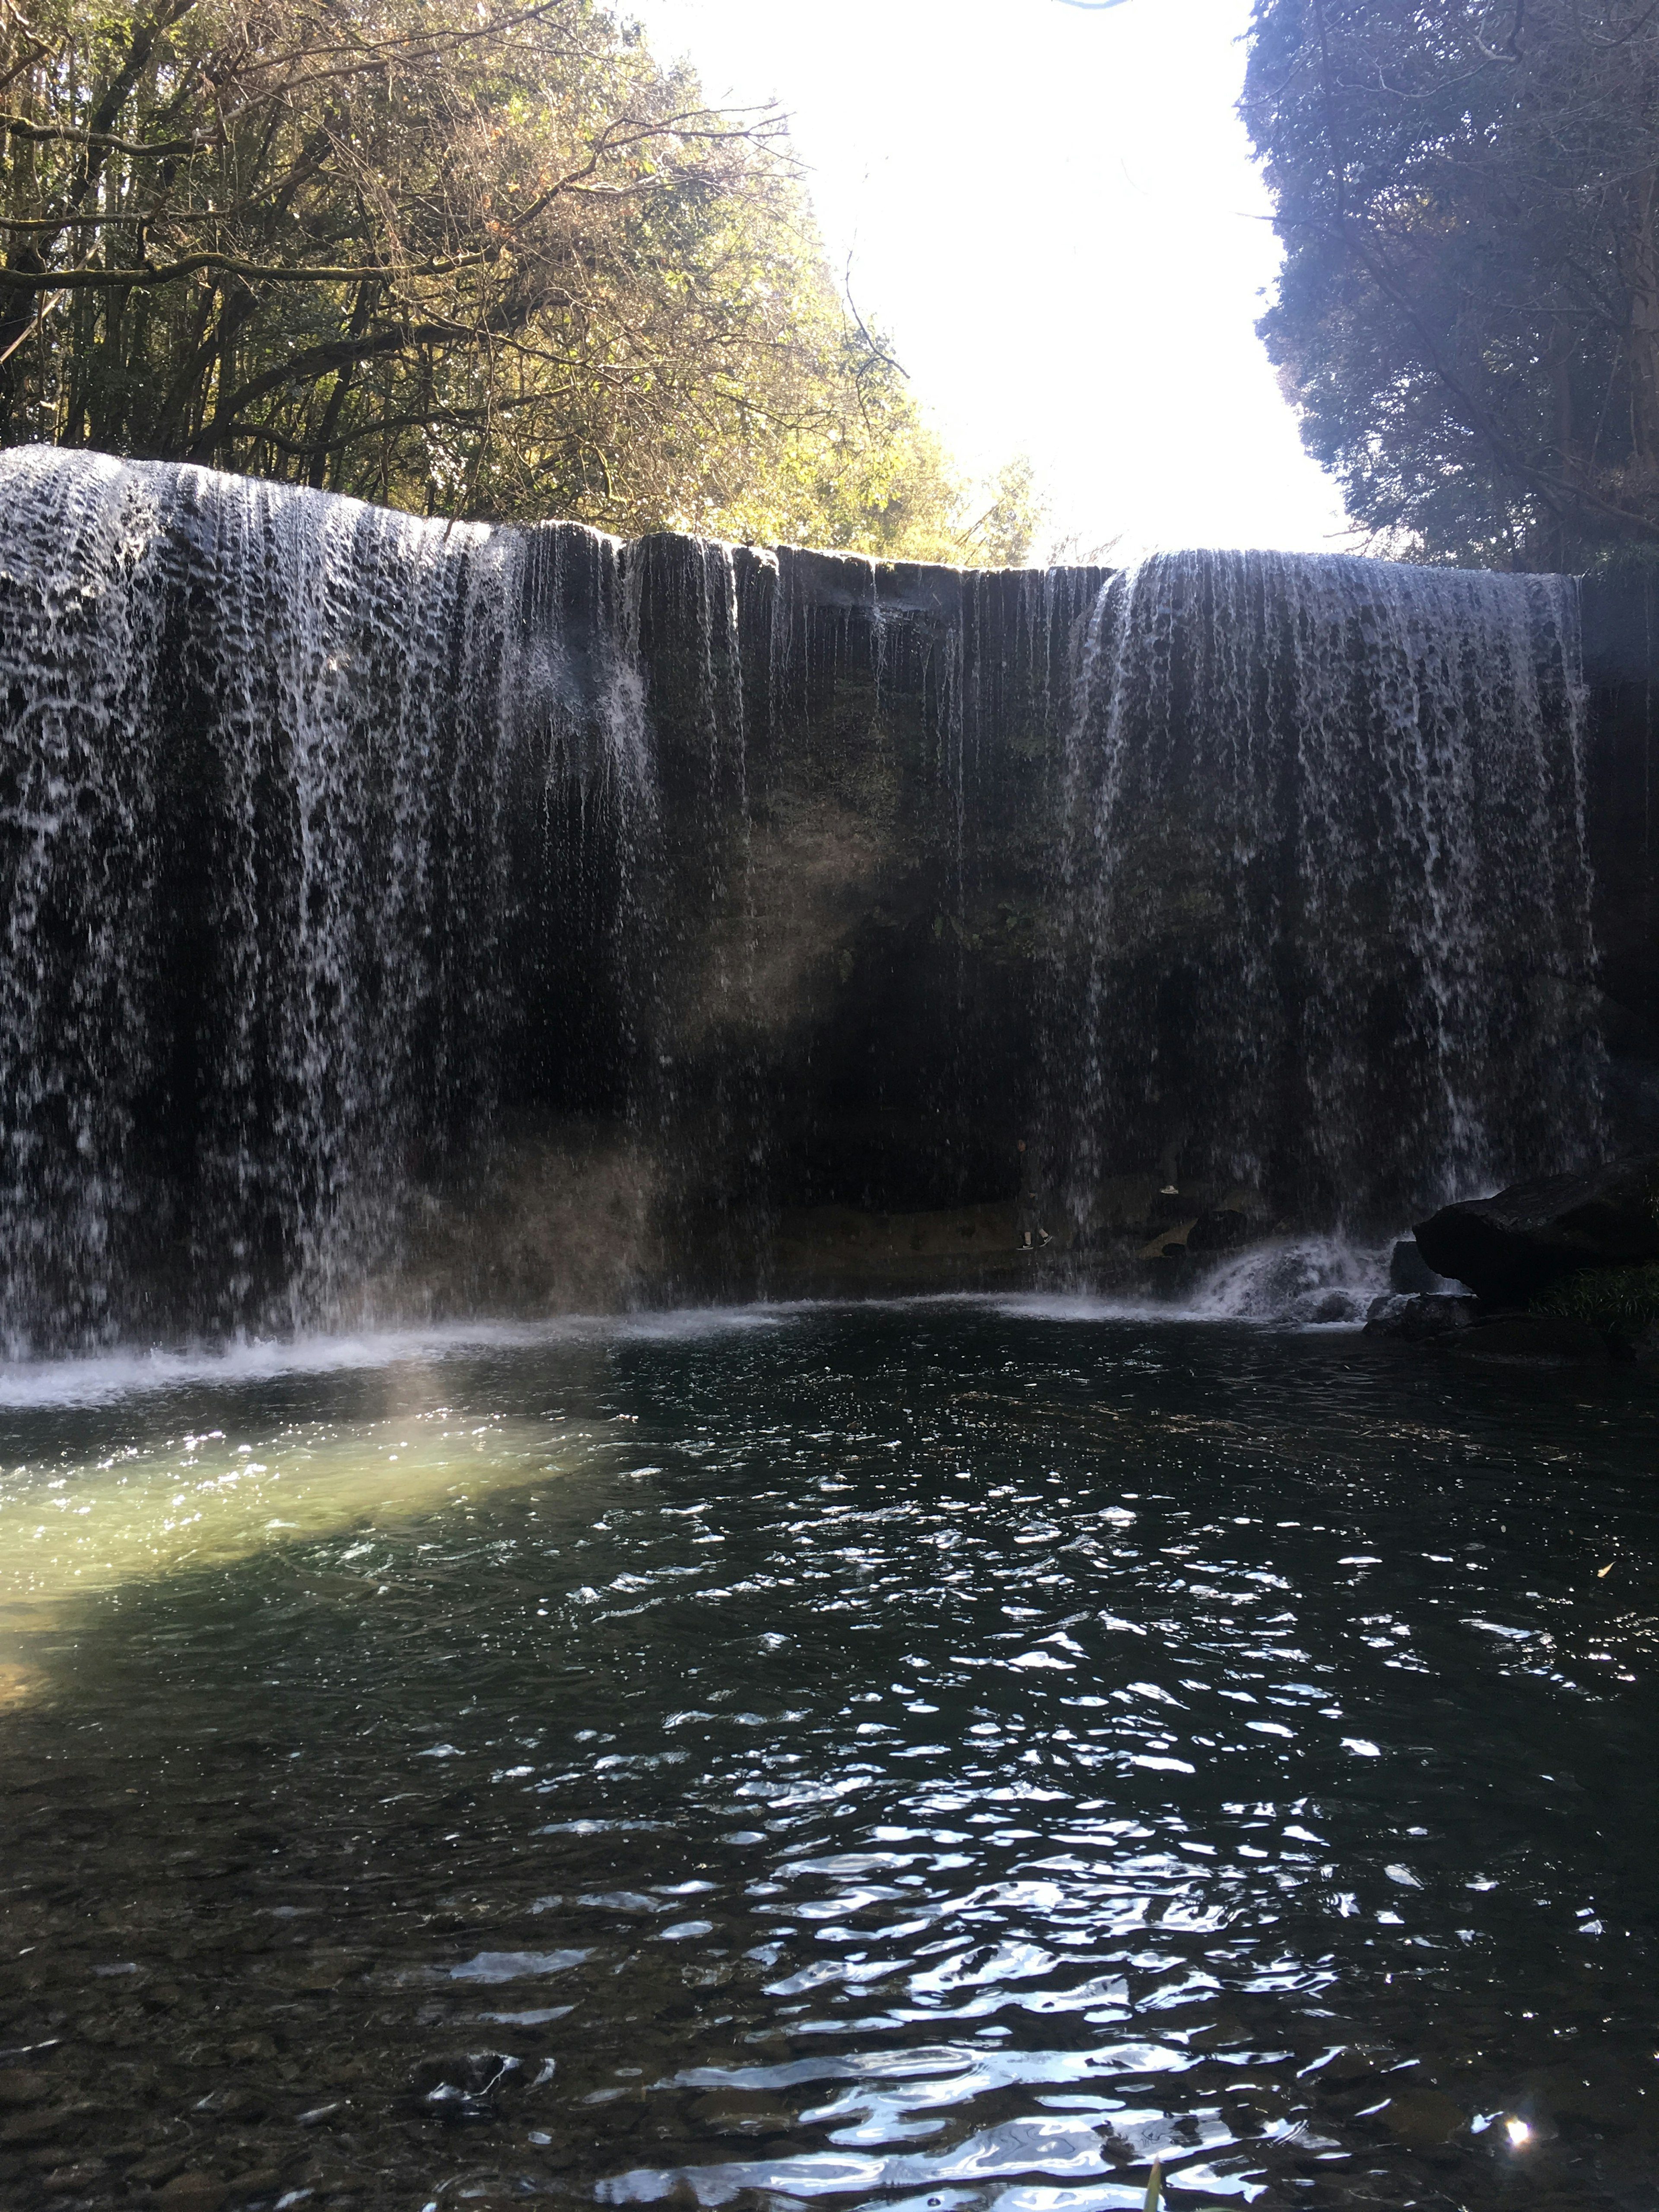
(1468, 315)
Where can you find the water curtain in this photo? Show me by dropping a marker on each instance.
(348, 854)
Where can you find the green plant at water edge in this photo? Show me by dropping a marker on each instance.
(469, 257)
(1617, 1300)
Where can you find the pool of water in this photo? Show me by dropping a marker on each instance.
(941, 1756)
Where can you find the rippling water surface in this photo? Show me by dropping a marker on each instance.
(941, 1757)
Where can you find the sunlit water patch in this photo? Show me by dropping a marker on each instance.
(945, 1757)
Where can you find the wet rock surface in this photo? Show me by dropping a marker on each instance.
(1469, 1330)
(1225, 1229)
(778, 885)
(1420, 1318)
(1521, 1241)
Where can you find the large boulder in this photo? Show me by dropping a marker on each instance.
(1510, 1246)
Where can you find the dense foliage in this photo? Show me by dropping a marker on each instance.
(1467, 193)
(469, 256)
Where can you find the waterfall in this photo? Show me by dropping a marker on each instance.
(703, 1092)
(1323, 923)
(412, 918)
(299, 798)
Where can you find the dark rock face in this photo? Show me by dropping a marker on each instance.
(851, 1252)
(1511, 1246)
(1254, 976)
(1222, 1231)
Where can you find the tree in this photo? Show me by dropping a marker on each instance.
(1002, 537)
(1467, 318)
(478, 257)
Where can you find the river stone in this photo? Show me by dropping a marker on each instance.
(1422, 2119)
(324, 1970)
(1567, 2092)
(743, 2113)
(156, 2166)
(71, 2180)
(1510, 1246)
(1348, 2065)
(257, 2181)
(249, 2048)
(30, 2129)
(1419, 1318)
(193, 2191)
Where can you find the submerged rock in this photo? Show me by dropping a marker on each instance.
(1510, 1246)
(1423, 2119)
(193, 2191)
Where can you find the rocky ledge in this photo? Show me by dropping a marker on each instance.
(1563, 1270)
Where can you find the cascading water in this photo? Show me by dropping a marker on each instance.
(411, 919)
(1324, 908)
(287, 782)
(701, 1084)
(382, 895)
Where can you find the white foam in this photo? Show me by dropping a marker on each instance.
(1313, 1282)
(99, 1378)
(1307, 1283)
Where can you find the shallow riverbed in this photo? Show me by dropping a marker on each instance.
(937, 1756)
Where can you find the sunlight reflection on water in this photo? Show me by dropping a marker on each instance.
(942, 1756)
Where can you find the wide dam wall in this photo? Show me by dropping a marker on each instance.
(406, 918)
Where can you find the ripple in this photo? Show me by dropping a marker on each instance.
(1257, 1778)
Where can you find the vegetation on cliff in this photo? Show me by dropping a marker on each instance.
(468, 257)
(1467, 191)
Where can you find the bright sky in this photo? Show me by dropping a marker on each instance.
(1051, 212)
